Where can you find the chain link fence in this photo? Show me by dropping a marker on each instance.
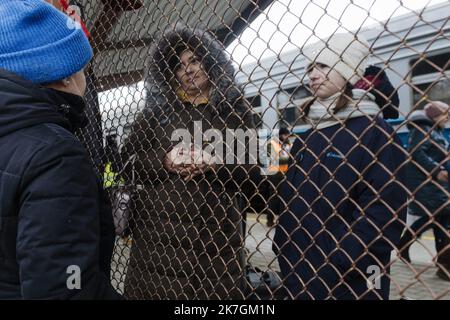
(273, 149)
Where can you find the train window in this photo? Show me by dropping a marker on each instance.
(288, 100)
(255, 101)
(289, 116)
(436, 90)
(257, 118)
(430, 64)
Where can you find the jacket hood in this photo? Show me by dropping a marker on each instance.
(419, 117)
(24, 104)
(215, 61)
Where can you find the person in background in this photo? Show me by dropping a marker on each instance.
(56, 225)
(428, 183)
(278, 151)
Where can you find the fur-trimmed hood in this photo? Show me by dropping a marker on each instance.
(162, 98)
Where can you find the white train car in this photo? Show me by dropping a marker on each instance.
(414, 49)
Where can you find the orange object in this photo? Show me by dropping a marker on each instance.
(277, 148)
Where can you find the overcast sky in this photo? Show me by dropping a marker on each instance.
(288, 24)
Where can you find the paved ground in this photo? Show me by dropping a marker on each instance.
(416, 281)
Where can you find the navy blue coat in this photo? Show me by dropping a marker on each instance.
(428, 155)
(53, 212)
(332, 224)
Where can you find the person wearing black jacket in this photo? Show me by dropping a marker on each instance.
(428, 183)
(56, 227)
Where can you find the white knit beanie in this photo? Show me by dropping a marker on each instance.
(344, 52)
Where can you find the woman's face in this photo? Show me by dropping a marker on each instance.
(324, 81)
(190, 73)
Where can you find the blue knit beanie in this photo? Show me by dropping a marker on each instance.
(38, 43)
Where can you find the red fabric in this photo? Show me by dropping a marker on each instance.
(369, 83)
(73, 14)
(64, 4)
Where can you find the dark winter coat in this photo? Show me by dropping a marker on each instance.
(53, 213)
(187, 236)
(345, 205)
(428, 148)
